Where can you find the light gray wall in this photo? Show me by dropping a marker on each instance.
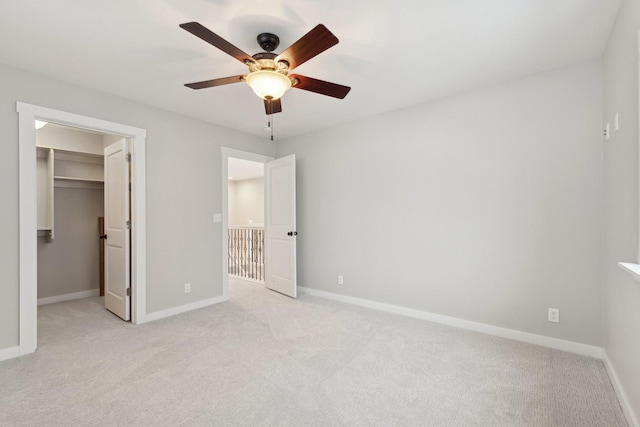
(183, 190)
(71, 263)
(621, 292)
(247, 197)
(484, 206)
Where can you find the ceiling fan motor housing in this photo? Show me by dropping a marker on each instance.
(268, 41)
(266, 61)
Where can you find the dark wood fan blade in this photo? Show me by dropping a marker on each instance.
(311, 44)
(215, 82)
(272, 106)
(210, 37)
(320, 86)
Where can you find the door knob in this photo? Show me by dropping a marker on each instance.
(292, 233)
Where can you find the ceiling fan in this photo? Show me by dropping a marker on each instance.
(269, 72)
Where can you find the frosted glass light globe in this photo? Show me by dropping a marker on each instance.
(268, 84)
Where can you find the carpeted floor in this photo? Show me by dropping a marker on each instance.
(265, 359)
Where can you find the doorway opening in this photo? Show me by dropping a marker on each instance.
(28, 295)
(279, 260)
(242, 217)
(246, 220)
(70, 206)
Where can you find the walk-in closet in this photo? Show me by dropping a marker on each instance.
(70, 203)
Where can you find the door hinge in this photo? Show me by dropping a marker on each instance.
(128, 157)
(129, 224)
(128, 292)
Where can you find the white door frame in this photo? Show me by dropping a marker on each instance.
(638, 47)
(244, 155)
(27, 114)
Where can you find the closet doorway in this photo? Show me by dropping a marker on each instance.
(76, 169)
(29, 217)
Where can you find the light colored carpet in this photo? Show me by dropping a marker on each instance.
(265, 359)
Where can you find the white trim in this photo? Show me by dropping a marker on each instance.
(139, 229)
(9, 353)
(28, 245)
(184, 308)
(632, 418)
(69, 297)
(638, 118)
(558, 344)
(244, 155)
(631, 268)
(27, 113)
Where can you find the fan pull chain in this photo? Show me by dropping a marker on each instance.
(270, 119)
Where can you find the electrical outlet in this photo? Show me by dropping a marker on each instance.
(187, 288)
(340, 280)
(554, 315)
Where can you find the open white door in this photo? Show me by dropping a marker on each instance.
(280, 225)
(117, 279)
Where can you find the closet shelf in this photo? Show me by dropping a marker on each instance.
(73, 178)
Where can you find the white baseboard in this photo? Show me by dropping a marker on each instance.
(558, 344)
(150, 317)
(632, 419)
(69, 297)
(9, 353)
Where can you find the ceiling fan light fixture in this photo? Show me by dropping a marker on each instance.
(268, 84)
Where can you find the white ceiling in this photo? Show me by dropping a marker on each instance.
(240, 169)
(392, 53)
